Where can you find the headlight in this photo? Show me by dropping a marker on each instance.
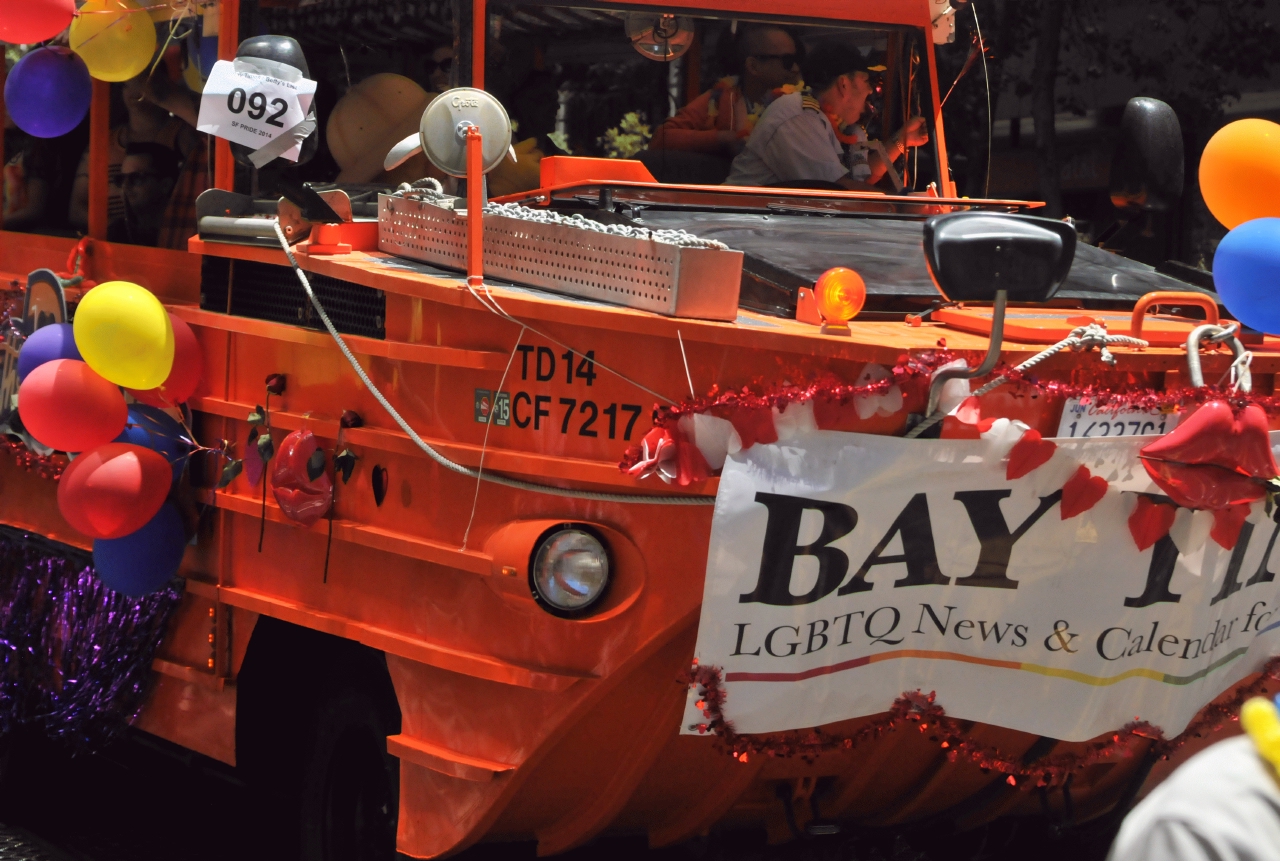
(570, 571)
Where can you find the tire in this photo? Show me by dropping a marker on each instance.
(313, 714)
(350, 789)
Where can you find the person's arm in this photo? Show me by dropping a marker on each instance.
(852, 184)
(914, 133)
(692, 129)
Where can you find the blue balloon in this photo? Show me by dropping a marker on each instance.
(47, 343)
(144, 561)
(1246, 271)
(48, 92)
(153, 428)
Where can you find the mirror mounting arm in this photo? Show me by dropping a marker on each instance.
(988, 362)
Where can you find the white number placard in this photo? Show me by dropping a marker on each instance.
(1088, 420)
(253, 102)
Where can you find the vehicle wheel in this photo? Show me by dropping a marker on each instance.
(350, 787)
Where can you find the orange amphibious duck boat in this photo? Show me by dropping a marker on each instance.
(491, 636)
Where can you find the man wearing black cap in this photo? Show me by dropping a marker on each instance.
(813, 139)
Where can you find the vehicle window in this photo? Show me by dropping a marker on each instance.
(684, 94)
(38, 170)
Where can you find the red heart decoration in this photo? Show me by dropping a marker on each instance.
(1150, 522)
(1028, 453)
(1227, 523)
(1082, 491)
(753, 424)
(300, 497)
(1214, 435)
(968, 411)
(966, 422)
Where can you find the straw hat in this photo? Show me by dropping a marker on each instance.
(372, 117)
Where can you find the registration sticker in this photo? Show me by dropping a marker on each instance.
(1088, 420)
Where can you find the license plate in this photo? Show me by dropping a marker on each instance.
(1081, 421)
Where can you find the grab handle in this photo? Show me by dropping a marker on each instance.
(1171, 297)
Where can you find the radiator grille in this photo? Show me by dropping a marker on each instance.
(265, 291)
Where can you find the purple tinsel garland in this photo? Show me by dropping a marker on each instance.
(75, 657)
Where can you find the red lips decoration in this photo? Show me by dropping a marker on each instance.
(1082, 491)
(1214, 459)
(301, 497)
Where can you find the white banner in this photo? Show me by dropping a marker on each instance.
(845, 569)
(256, 102)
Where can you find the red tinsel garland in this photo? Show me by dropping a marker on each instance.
(951, 736)
(44, 465)
(918, 371)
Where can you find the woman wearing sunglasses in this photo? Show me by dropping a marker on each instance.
(719, 120)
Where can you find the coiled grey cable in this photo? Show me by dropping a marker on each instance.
(441, 459)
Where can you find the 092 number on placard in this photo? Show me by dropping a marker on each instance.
(238, 99)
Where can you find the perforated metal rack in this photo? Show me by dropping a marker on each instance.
(638, 273)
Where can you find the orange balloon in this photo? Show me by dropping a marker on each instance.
(1240, 172)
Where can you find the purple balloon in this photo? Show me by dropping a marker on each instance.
(48, 92)
(47, 343)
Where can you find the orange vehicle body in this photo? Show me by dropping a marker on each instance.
(517, 724)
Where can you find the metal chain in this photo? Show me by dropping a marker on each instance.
(682, 238)
(430, 189)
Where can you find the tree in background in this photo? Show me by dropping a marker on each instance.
(1195, 55)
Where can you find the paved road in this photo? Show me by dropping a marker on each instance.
(144, 800)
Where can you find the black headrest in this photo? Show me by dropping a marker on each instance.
(971, 255)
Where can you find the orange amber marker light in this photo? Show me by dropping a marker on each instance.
(840, 294)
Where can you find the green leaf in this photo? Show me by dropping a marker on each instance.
(229, 473)
(266, 448)
(258, 416)
(253, 435)
(315, 464)
(343, 462)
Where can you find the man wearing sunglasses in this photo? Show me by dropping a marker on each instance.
(812, 139)
(719, 120)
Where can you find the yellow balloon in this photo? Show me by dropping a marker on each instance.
(1240, 172)
(191, 77)
(1261, 721)
(115, 38)
(124, 333)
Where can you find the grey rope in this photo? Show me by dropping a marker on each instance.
(1081, 339)
(446, 462)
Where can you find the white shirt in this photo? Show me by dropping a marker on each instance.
(1223, 804)
(791, 143)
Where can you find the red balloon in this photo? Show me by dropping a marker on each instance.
(188, 369)
(25, 22)
(67, 406)
(301, 497)
(114, 490)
